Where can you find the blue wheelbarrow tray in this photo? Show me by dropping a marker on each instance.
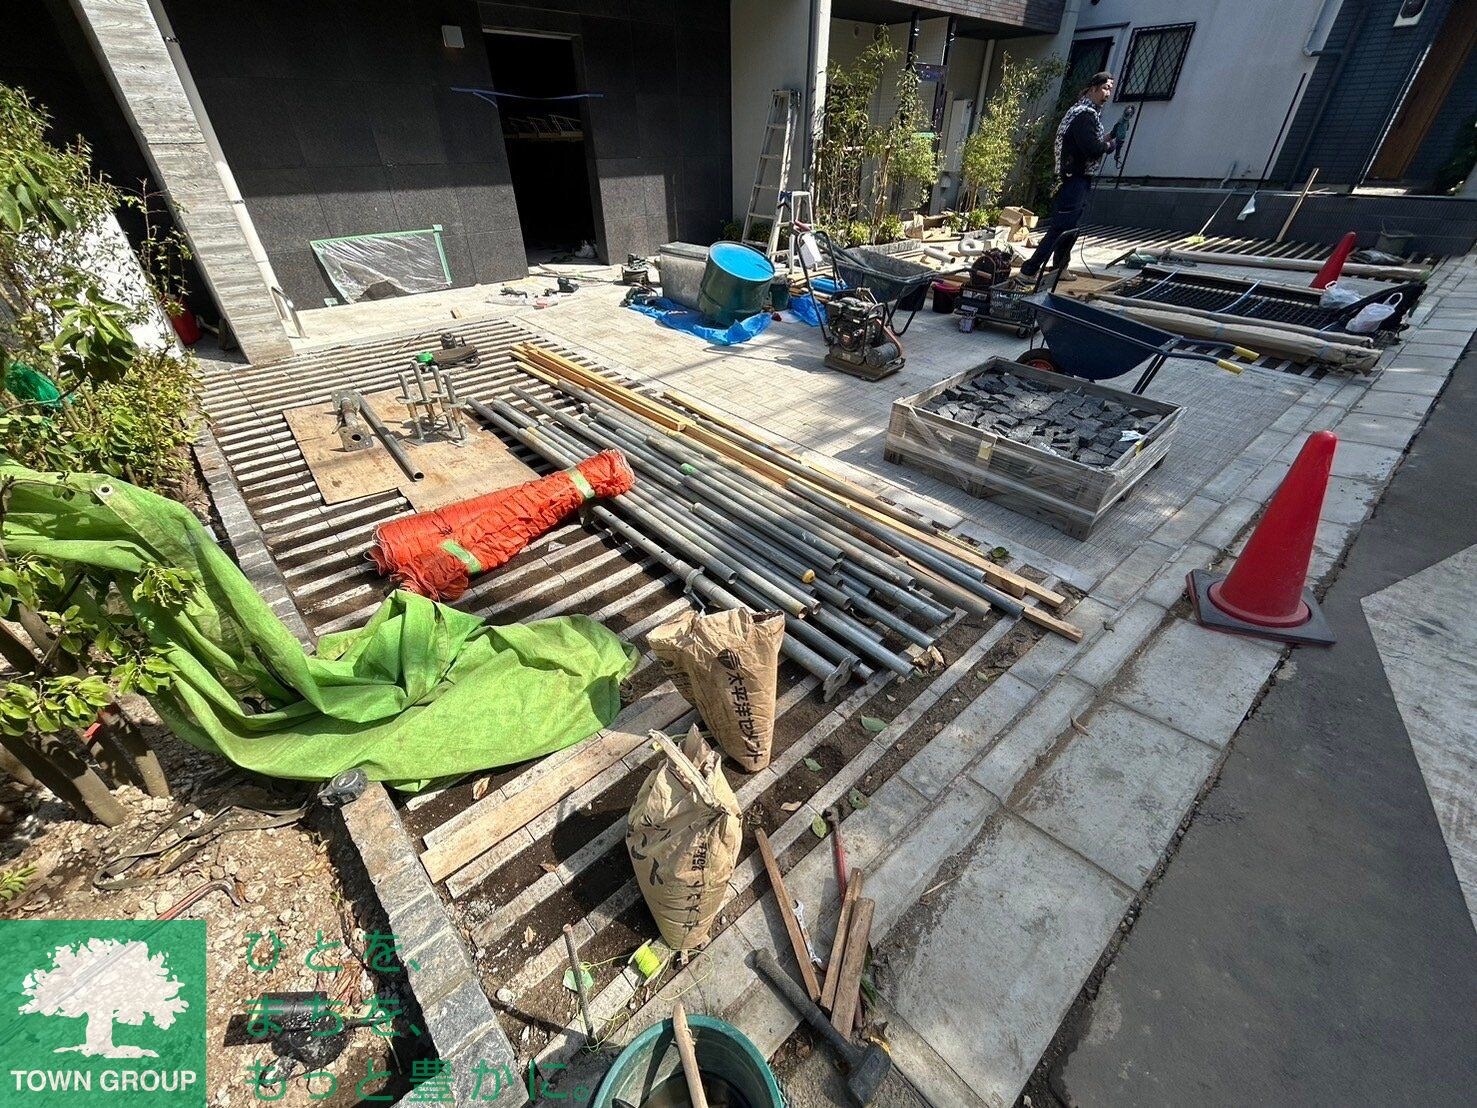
(1095, 345)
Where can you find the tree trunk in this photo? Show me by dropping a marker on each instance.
(121, 729)
(99, 1034)
(64, 771)
(13, 766)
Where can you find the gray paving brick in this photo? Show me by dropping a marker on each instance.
(1117, 793)
(1029, 918)
(1228, 672)
(967, 735)
(1117, 644)
(1376, 430)
(1031, 737)
(1364, 462)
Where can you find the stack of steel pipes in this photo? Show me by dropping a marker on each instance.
(858, 594)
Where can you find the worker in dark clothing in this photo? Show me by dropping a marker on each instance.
(1078, 152)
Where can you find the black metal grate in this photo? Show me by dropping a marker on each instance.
(1155, 57)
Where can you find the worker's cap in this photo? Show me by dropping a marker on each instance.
(1098, 80)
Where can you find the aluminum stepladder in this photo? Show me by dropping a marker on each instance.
(772, 175)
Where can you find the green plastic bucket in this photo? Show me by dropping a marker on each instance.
(735, 283)
(722, 1050)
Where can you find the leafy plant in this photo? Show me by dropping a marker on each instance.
(866, 170)
(14, 882)
(993, 155)
(73, 641)
(890, 229)
(979, 218)
(857, 233)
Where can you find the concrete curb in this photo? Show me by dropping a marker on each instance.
(440, 970)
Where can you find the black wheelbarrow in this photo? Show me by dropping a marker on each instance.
(896, 283)
(1095, 345)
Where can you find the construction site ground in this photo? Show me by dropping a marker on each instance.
(1015, 801)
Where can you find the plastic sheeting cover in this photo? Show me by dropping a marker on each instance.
(396, 263)
(674, 315)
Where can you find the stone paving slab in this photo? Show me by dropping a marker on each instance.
(1118, 792)
(1128, 632)
(1031, 737)
(1365, 462)
(1199, 681)
(989, 979)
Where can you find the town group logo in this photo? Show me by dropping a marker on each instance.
(102, 1011)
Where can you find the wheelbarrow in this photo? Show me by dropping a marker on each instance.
(1095, 345)
(899, 285)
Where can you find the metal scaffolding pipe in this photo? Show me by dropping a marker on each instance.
(966, 578)
(391, 443)
(833, 672)
(710, 544)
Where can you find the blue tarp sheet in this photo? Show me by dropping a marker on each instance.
(671, 314)
(806, 309)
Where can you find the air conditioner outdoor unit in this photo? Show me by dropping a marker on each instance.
(1410, 13)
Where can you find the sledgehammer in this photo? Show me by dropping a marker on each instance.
(866, 1069)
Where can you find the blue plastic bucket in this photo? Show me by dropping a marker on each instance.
(722, 1050)
(735, 283)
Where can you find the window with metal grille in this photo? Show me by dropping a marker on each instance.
(1155, 56)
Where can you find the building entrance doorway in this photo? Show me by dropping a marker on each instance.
(545, 132)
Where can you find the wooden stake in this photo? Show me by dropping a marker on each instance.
(838, 944)
(688, 1054)
(1301, 197)
(849, 984)
(787, 913)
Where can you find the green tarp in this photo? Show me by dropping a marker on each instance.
(422, 692)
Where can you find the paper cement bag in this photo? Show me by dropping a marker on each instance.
(683, 838)
(727, 664)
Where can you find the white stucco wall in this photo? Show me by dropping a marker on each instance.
(770, 45)
(1243, 66)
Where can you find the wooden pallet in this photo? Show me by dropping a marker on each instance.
(1072, 496)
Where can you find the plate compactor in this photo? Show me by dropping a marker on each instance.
(858, 338)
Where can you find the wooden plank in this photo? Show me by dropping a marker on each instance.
(453, 472)
(838, 944)
(849, 984)
(787, 913)
(492, 819)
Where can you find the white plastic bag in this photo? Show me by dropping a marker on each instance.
(1335, 297)
(810, 253)
(1372, 316)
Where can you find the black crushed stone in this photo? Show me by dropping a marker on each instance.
(1092, 430)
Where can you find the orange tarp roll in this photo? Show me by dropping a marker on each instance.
(437, 553)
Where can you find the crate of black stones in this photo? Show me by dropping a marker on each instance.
(1050, 446)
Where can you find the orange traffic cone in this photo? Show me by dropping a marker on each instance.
(1335, 264)
(1266, 591)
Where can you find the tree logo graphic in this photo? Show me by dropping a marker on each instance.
(105, 980)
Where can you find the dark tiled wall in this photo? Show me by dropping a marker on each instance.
(337, 119)
(1438, 224)
(1380, 57)
(661, 129)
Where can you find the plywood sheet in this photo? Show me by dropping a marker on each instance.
(452, 472)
